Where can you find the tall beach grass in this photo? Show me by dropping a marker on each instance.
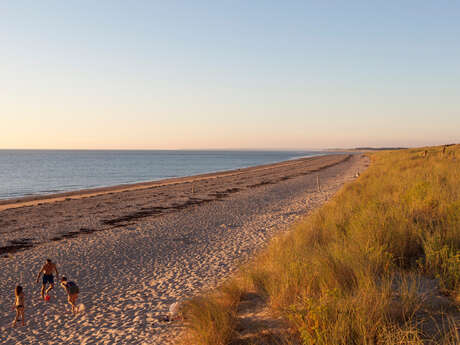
(356, 271)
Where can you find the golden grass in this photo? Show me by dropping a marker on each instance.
(349, 273)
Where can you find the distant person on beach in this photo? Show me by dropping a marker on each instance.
(72, 293)
(48, 269)
(19, 305)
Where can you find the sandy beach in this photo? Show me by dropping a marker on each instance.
(134, 250)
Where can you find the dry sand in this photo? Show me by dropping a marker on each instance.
(134, 250)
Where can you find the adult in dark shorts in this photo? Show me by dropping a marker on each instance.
(48, 269)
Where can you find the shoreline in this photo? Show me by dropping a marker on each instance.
(89, 192)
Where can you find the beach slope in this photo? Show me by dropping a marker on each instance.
(134, 250)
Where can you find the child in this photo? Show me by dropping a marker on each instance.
(19, 305)
(72, 293)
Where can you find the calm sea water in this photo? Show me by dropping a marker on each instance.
(31, 172)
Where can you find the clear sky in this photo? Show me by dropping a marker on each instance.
(228, 74)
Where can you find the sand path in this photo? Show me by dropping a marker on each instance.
(142, 250)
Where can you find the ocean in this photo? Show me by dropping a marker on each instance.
(38, 172)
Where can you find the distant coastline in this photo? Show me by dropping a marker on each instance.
(379, 148)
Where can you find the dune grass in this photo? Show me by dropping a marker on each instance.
(354, 271)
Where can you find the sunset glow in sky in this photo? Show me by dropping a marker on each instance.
(228, 74)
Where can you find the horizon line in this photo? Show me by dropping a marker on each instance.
(215, 149)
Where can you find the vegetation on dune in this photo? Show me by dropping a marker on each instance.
(359, 270)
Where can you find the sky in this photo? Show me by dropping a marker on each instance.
(228, 74)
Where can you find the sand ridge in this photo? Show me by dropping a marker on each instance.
(173, 242)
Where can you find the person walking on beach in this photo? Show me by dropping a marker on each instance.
(72, 293)
(19, 305)
(48, 269)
